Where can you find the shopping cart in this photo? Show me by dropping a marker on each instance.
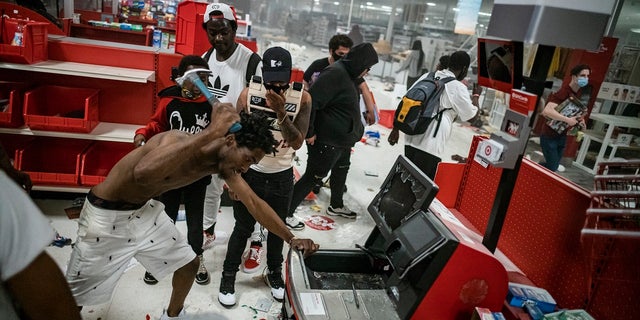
(611, 232)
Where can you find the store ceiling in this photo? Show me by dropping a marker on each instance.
(628, 19)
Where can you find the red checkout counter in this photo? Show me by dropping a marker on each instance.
(419, 262)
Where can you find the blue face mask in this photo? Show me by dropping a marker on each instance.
(583, 81)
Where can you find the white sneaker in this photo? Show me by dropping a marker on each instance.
(208, 240)
(561, 168)
(293, 223)
(227, 294)
(181, 315)
(274, 281)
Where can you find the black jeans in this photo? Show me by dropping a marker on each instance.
(323, 158)
(425, 161)
(193, 196)
(276, 190)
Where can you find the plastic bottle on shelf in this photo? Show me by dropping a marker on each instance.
(248, 17)
(18, 36)
(157, 38)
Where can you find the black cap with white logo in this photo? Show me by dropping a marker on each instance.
(276, 65)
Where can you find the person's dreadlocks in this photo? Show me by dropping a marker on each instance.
(255, 132)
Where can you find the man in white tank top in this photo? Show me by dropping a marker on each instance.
(231, 64)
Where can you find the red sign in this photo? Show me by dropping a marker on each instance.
(523, 102)
(319, 222)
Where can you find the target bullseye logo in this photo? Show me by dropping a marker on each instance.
(487, 150)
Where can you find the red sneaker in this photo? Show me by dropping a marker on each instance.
(252, 259)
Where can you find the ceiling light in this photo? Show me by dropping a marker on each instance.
(369, 3)
(431, 4)
(635, 30)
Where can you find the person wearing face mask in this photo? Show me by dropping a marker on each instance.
(272, 178)
(551, 141)
(186, 109)
(339, 45)
(424, 150)
(335, 127)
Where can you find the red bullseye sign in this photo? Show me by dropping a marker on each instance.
(319, 222)
(487, 150)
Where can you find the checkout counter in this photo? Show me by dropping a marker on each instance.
(419, 262)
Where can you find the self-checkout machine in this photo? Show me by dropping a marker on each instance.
(414, 265)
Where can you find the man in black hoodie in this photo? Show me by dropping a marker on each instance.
(335, 126)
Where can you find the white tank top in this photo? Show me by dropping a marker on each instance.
(283, 159)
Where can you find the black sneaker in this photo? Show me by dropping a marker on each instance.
(202, 277)
(149, 278)
(341, 211)
(227, 294)
(274, 281)
(316, 188)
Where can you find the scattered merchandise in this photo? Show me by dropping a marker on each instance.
(486, 314)
(60, 241)
(577, 314)
(370, 173)
(519, 294)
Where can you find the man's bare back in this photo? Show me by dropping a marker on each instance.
(169, 160)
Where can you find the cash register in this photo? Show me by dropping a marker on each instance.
(419, 262)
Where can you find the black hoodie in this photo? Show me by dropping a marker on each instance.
(335, 116)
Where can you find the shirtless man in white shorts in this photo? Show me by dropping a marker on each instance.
(120, 220)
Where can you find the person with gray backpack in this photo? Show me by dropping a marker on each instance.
(424, 147)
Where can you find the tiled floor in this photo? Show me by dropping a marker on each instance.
(133, 299)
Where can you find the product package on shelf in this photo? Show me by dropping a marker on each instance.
(520, 294)
(52, 161)
(58, 108)
(23, 41)
(11, 97)
(98, 160)
(486, 314)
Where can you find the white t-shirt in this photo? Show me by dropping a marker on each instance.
(229, 76)
(455, 96)
(24, 233)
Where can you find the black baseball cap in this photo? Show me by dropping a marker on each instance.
(276, 65)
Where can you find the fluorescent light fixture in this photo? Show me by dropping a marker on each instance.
(369, 3)
(431, 4)
(337, 3)
(635, 30)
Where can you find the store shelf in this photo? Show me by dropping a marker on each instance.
(69, 189)
(85, 70)
(105, 131)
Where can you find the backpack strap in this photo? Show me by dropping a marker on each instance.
(208, 54)
(438, 117)
(252, 66)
